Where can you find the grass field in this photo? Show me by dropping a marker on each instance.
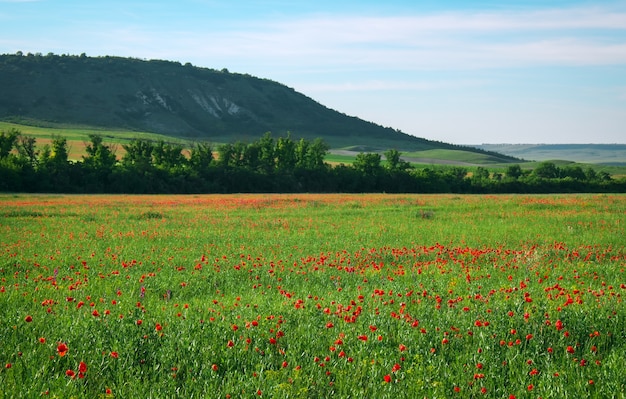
(312, 296)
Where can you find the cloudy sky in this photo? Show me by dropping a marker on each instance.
(465, 72)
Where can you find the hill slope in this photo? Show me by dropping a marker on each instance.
(179, 100)
(606, 154)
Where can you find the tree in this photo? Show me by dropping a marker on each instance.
(7, 142)
(285, 153)
(394, 163)
(514, 171)
(167, 155)
(138, 155)
(200, 156)
(547, 170)
(266, 155)
(316, 153)
(27, 150)
(368, 163)
(100, 157)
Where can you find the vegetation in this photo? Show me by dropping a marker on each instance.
(312, 296)
(265, 165)
(180, 101)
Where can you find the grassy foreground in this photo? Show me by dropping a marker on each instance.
(312, 296)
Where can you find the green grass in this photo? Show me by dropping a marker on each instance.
(313, 296)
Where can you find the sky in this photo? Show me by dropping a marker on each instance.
(462, 72)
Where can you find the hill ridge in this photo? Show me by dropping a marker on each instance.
(168, 97)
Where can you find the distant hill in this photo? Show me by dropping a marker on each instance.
(605, 154)
(181, 101)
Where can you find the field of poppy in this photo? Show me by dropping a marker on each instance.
(313, 296)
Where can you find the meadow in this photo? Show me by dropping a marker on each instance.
(312, 296)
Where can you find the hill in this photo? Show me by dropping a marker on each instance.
(181, 101)
(604, 154)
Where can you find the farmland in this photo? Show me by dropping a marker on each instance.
(312, 296)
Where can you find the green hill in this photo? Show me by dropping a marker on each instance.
(181, 101)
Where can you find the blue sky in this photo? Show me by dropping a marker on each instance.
(464, 72)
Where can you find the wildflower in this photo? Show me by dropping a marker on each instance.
(114, 355)
(28, 318)
(62, 349)
(558, 325)
(42, 340)
(70, 373)
(570, 349)
(158, 327)
(395, 368)
(214, 367)
(82, 367)
(387, 378)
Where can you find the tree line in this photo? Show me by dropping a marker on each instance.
(266, 165)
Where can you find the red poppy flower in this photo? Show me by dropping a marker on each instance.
(82, 367)
(387, 378)
(70, 373)
(115, 355)
(28, 318)
(62, 349)
(558, 325)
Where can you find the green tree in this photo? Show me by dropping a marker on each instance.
(547, 170)
(481, 173)
(27, 150)
(7, 142)
(267, 155)
(316, 152)
(514, 171)
(285, 153)
(138, 155)
(100, 157)
(167, 155)
(394, 162)
(368, 163)
(200, 156)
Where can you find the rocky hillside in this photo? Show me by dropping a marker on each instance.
(179, 100)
